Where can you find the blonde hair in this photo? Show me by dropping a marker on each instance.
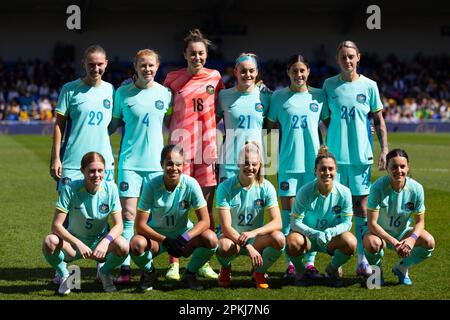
(347, 44)
(146, 52)
(253, 147)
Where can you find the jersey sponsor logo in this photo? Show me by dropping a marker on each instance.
(258, 204)
(314, 107)
(103, 208)
(66, 180)
(259, 107)
(159, 104)
(106, 103)
(409, 206)
(184, 205)
(361, 98)
(210, 89)
(124, 186)
(284, 186)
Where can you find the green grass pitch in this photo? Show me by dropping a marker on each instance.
(28, 195)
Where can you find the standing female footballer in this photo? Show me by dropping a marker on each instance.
(352, 97)
(83, 113)
(298, 109)
(193, 124)
(141, 107)
(393, 200)
(162, 221)
(243, 108)
(241, 200)
(321, 221)
(89, 203)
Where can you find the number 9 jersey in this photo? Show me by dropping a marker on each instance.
(349, 135)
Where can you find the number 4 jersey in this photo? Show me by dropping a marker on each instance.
(194, 111)
(349, 135)
(88, 111)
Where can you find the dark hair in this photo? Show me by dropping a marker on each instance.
(168, 149)
(297, 58)
(323, 154)
(91, 157)
(93, 48)
(396, 153)
(195, 36)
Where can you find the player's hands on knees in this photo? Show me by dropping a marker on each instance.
(244, 237)
(255, 256)
(173, 247)
(83, 249)
(101, 250)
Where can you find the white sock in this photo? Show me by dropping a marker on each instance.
(403, 269)
(309, 264)
(362, 259)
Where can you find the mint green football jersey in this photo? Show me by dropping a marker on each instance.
(246, 206)
(88, 111)
(88, 213)
(243, 114)
(169, 211)
(396, 208)
(349, 137)
(298, 114)
(142, 111)
(319, 212)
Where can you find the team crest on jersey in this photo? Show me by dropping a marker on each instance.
(184, 205)
(66, 180)
(124, 186)
(259, 107)
(159, 104)
(106, 103)
(284, 186)
(314, 107)
(337, 209)
(210, 89)
(259, 203)
(361, 98)
(409, 206)
(103, 208)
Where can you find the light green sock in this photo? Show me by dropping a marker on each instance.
(298, 263)
(112, 262)
(360, 230)
(339, 258)
(270, 256)
(225, 261)
(144, 261)
(127, 233)
(374, 258)
(286, 228)
(418, 254)
(199, 257)
(56, 260)
(310, 257)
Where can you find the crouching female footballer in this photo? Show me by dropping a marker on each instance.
(162, 221)
(241, 201)
(393, 200)
(321, 220)
(89, 203)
